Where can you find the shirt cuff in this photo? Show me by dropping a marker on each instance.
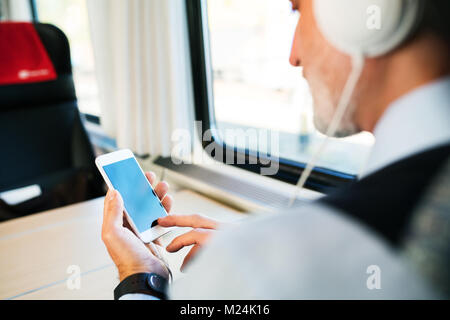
(138, 296)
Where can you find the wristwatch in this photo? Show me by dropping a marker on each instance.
(146, 283)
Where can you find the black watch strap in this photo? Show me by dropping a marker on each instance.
(146, 283)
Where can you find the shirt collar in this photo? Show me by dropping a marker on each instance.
(418, 121)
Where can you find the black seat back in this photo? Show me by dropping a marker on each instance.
(42, 136)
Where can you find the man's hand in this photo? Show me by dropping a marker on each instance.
(203, 230)
(127, 251)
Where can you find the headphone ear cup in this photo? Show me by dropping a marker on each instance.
(347, 24)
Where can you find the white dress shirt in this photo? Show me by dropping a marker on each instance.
(416, 122)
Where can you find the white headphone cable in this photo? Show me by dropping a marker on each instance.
(344, 102)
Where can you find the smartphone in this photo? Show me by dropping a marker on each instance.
(122, 172)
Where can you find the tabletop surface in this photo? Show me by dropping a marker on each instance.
(41, 254)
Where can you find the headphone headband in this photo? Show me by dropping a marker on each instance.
(350, 26)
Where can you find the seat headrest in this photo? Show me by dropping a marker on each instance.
(40, 76)
(23, 57)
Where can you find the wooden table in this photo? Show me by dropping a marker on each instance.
(36, 251)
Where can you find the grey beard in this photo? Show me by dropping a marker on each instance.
(346, 128)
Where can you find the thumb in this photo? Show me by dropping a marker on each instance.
(113, 210)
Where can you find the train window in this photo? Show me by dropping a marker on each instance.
(253, 86)
(3, 8)
(71, 17)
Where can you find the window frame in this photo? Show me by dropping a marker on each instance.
(321, 179)
(33, 9)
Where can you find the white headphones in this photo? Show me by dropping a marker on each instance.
(344, 24)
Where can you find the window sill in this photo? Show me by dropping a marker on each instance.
(99, 139)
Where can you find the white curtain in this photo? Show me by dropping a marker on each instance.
(17, 10)
(143, 67)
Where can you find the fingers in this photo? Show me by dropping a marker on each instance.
(192, 237)
(112, 212)
(167, 203)
(151, 177)
(192, 221)
(161, 190)
(189, 256)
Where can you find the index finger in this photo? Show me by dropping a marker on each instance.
(192, 221)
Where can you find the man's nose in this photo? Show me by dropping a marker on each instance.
(294, 59)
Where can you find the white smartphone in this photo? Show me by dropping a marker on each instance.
(122, 172)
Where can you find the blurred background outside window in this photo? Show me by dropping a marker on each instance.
(256, 87)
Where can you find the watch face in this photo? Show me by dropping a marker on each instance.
(155, 282)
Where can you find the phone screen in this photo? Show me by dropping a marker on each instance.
(139, 199)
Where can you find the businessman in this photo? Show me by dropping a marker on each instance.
(324, 250)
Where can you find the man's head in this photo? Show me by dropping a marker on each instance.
(385, 78)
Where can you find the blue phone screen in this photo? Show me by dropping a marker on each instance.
(139, 199)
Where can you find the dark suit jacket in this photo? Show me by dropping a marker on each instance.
(385, 200)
